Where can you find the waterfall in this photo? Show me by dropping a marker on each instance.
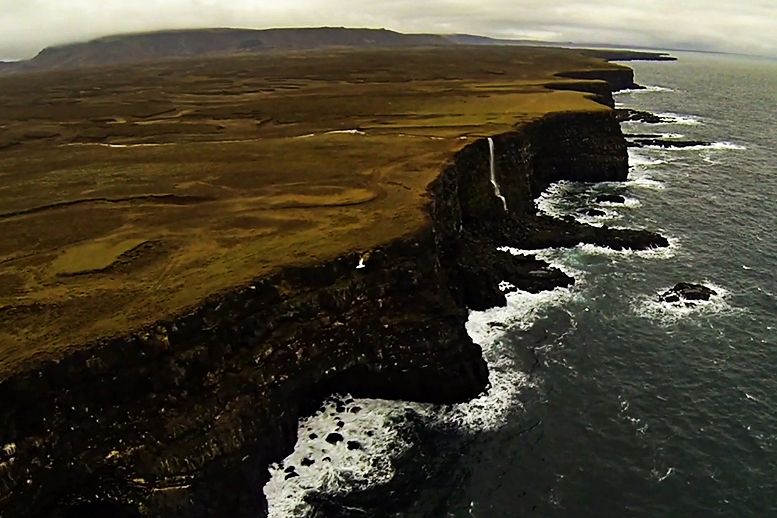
(497, 191)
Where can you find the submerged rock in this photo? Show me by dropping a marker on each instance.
(687, 292)
(669, 144)
(610, 198)
(628, 115)
(594, 213)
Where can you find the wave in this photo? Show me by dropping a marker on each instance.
(567, 199)
(317, 465)
(376, 426)
(681, 119)
(714, 146)
(638, 158)
(670, 313)
(644, 90)
(639, 179)
(629, 203)
(563, 199)
(666, 252)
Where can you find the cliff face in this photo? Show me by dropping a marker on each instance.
(184, 418)
(618, 78)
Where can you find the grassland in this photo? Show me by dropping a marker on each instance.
(129, 194)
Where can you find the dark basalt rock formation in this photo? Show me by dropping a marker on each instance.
(594, 213)
(610, 198)
(618, 79)
(629, 115)
(687, 293)
(669, 144)
(183, 418)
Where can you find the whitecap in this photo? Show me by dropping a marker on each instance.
(640, 180)
(669, 313)
(639, 158)
(644, 90)
(629, 203)
(717, 146)
(664, 252)
(681, 119)
(335, 468)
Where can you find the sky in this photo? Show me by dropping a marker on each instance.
(743, 26)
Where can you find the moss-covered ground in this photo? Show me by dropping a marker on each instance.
(129, 194)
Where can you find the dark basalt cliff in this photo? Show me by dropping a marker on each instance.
(617, 78)
(184, 418)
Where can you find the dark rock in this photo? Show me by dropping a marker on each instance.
(687, 292)
(610, 198)
(334, 438)
(354, 445)
(594, 213)
(667, 143)
(629, 115)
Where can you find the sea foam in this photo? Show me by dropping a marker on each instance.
(378, 424)
(670, 313)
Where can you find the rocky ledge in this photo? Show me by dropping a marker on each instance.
(184, 417)
(688, 294)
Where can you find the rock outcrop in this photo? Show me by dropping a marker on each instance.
(667, 144)
(183, 418)
(688, 294)
(610, 198)
(629, 115)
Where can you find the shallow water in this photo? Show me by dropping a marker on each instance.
(605, 402)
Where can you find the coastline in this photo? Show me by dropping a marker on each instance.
(176, 395)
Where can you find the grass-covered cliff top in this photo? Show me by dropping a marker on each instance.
(129, 194)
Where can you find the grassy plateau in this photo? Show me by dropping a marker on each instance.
(128, 194)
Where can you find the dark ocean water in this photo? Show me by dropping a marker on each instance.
(605, 402)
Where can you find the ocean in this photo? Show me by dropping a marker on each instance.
(604, 402)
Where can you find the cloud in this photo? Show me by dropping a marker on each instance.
(26, 26)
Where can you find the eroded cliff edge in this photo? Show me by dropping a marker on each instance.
(183, 418)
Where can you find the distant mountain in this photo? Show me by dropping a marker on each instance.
(180, 44)
(154, 46)
(469, 39)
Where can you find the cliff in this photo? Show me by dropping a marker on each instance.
(182, 416)
(175, 420)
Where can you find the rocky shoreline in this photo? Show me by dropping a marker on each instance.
(184, 417)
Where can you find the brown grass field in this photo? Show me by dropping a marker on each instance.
(130, 194)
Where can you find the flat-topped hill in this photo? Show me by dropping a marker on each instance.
(131, 194)
(151, 46)
(189, 43)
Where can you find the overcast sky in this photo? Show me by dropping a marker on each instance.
(748, 26)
